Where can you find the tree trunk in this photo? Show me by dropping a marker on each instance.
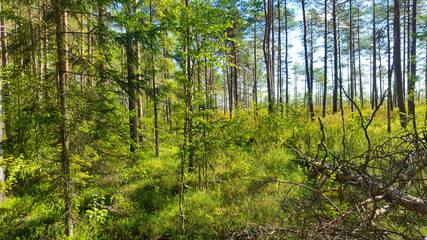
(89, 45)
(133, 123)
(155, 102)
(255, 91)
(62, 51)
(230, 89)
(267, 54)
(224, 100)
(352, 80)
(425, 80)
(307, 69)
(389, 99)
(397, 64)
(325, 60)
(335, 91)
(286, 55)
(279, 60)
(413, 76)
(360, 59)
(374, 102)
(234, 75)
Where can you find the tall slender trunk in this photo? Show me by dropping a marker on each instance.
(62, 51)
(5, 88)
(374, 102)
(389, 99)
(352, 82)
(89, 45)
(425, 79)
(131, 85)
(325, 60)
(230, 90)
(234, 75)
(266, 47)
(286, 55)
(360, 58)
(101, 43)
(279, 59)
(187, 122)
(307, 69)
(404, 53)
(82, 51)
(155, 102)
(199, 71)
(413, 76)
(397, 64)
(335, 90)
(255, 91)
(408, 49)
(224, 81)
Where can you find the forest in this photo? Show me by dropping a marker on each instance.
(213, 119)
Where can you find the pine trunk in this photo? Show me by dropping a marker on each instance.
(62, 51)
(397, 64)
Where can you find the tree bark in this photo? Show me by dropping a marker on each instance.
(130, 45)
(307, 69)
(255, 90)
(397, 64)
(234, 75)
(89, 45)
(62, 51)
(374, 98)
(155, 102)
(413, 75)
(279, 60)
(352, 53)
(360, 59)
(325, 60)
(389, 98)
(286, 55)
(267, 54)
(335, 90)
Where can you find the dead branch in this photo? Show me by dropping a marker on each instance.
(304, 186)
(348, 213)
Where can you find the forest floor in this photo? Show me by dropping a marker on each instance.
(251, 180)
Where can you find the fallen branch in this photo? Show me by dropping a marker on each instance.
(304, 186)
(391, 194)
(348, 213)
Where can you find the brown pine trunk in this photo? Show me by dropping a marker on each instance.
(397, 64)
(335, 91)
(307, 69)
(279, 60)
(266, 47)
(234, 75)
(255, 90)
(286, 56)
(62, 51)
(89, 45)
(389, 98)
(133, 123)
(374, 102)
(101, 43)
(155, 103)
(325, 60)
(413, 76)
(352, 82)
(360, 59)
